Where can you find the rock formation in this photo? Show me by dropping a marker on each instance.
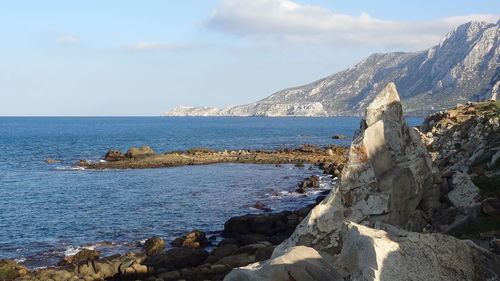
(387, 175)
(361, 231)
(464, 66)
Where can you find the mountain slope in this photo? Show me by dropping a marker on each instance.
(464, 66)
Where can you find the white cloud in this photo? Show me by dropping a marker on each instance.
(167, 46)
(290, 22)
(69, 40)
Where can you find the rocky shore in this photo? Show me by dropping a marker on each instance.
(407, 199)
(193, 256)
(389, 217)
(145, 157)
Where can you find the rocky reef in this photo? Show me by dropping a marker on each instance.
(144, 157)
(382, 221)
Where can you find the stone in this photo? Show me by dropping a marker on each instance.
(153, 246)
(464, 194)
(297, 263)
(388, 177)
(50, 160)
(237, 260)
(339, 137)
(193, 239)
(10, 270)
(491, 206)
(139, 152)
(386, 253)
(261, 206)
(82, 256)
(221, 252)
(114, 155)
(177, 258)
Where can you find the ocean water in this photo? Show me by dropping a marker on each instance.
(48, 210)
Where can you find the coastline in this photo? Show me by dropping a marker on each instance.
(240, 243)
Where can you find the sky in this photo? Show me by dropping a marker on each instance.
(145, 57)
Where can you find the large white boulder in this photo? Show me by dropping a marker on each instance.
(388, 178)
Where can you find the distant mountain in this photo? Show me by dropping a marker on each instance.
(464, 66)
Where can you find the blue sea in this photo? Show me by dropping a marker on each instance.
(49, 210)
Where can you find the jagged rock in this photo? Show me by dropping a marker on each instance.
(388, 178)
(376, 254)
(50, 160)
(153, 246)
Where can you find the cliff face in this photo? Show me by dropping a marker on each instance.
(464, 66)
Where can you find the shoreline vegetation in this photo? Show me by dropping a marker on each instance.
(463, 144)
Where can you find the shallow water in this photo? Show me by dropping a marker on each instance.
(48, 210)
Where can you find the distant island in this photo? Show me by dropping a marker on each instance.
(463, 67)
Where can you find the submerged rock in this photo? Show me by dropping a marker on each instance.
(50, 160)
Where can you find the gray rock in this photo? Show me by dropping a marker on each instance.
(387, 175)
(389, 253)
(464, 193)
(297, 263)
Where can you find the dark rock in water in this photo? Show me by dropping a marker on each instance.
(250, 229)
(9, 270)
(339, 137)
(50, 160)
(310, 182)
(178, 258)
(261, 206)
(114, 155)
(491, 206)
(153, 246)
(135, 152)
(193, 239)
(83, 256)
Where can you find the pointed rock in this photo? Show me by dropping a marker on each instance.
(388, 179)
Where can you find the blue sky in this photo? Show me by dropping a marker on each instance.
(146, 57)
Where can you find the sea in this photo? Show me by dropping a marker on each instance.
(51, 210)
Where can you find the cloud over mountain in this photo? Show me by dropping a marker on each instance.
(289, 22)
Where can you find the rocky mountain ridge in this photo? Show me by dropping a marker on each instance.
(464, 66)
